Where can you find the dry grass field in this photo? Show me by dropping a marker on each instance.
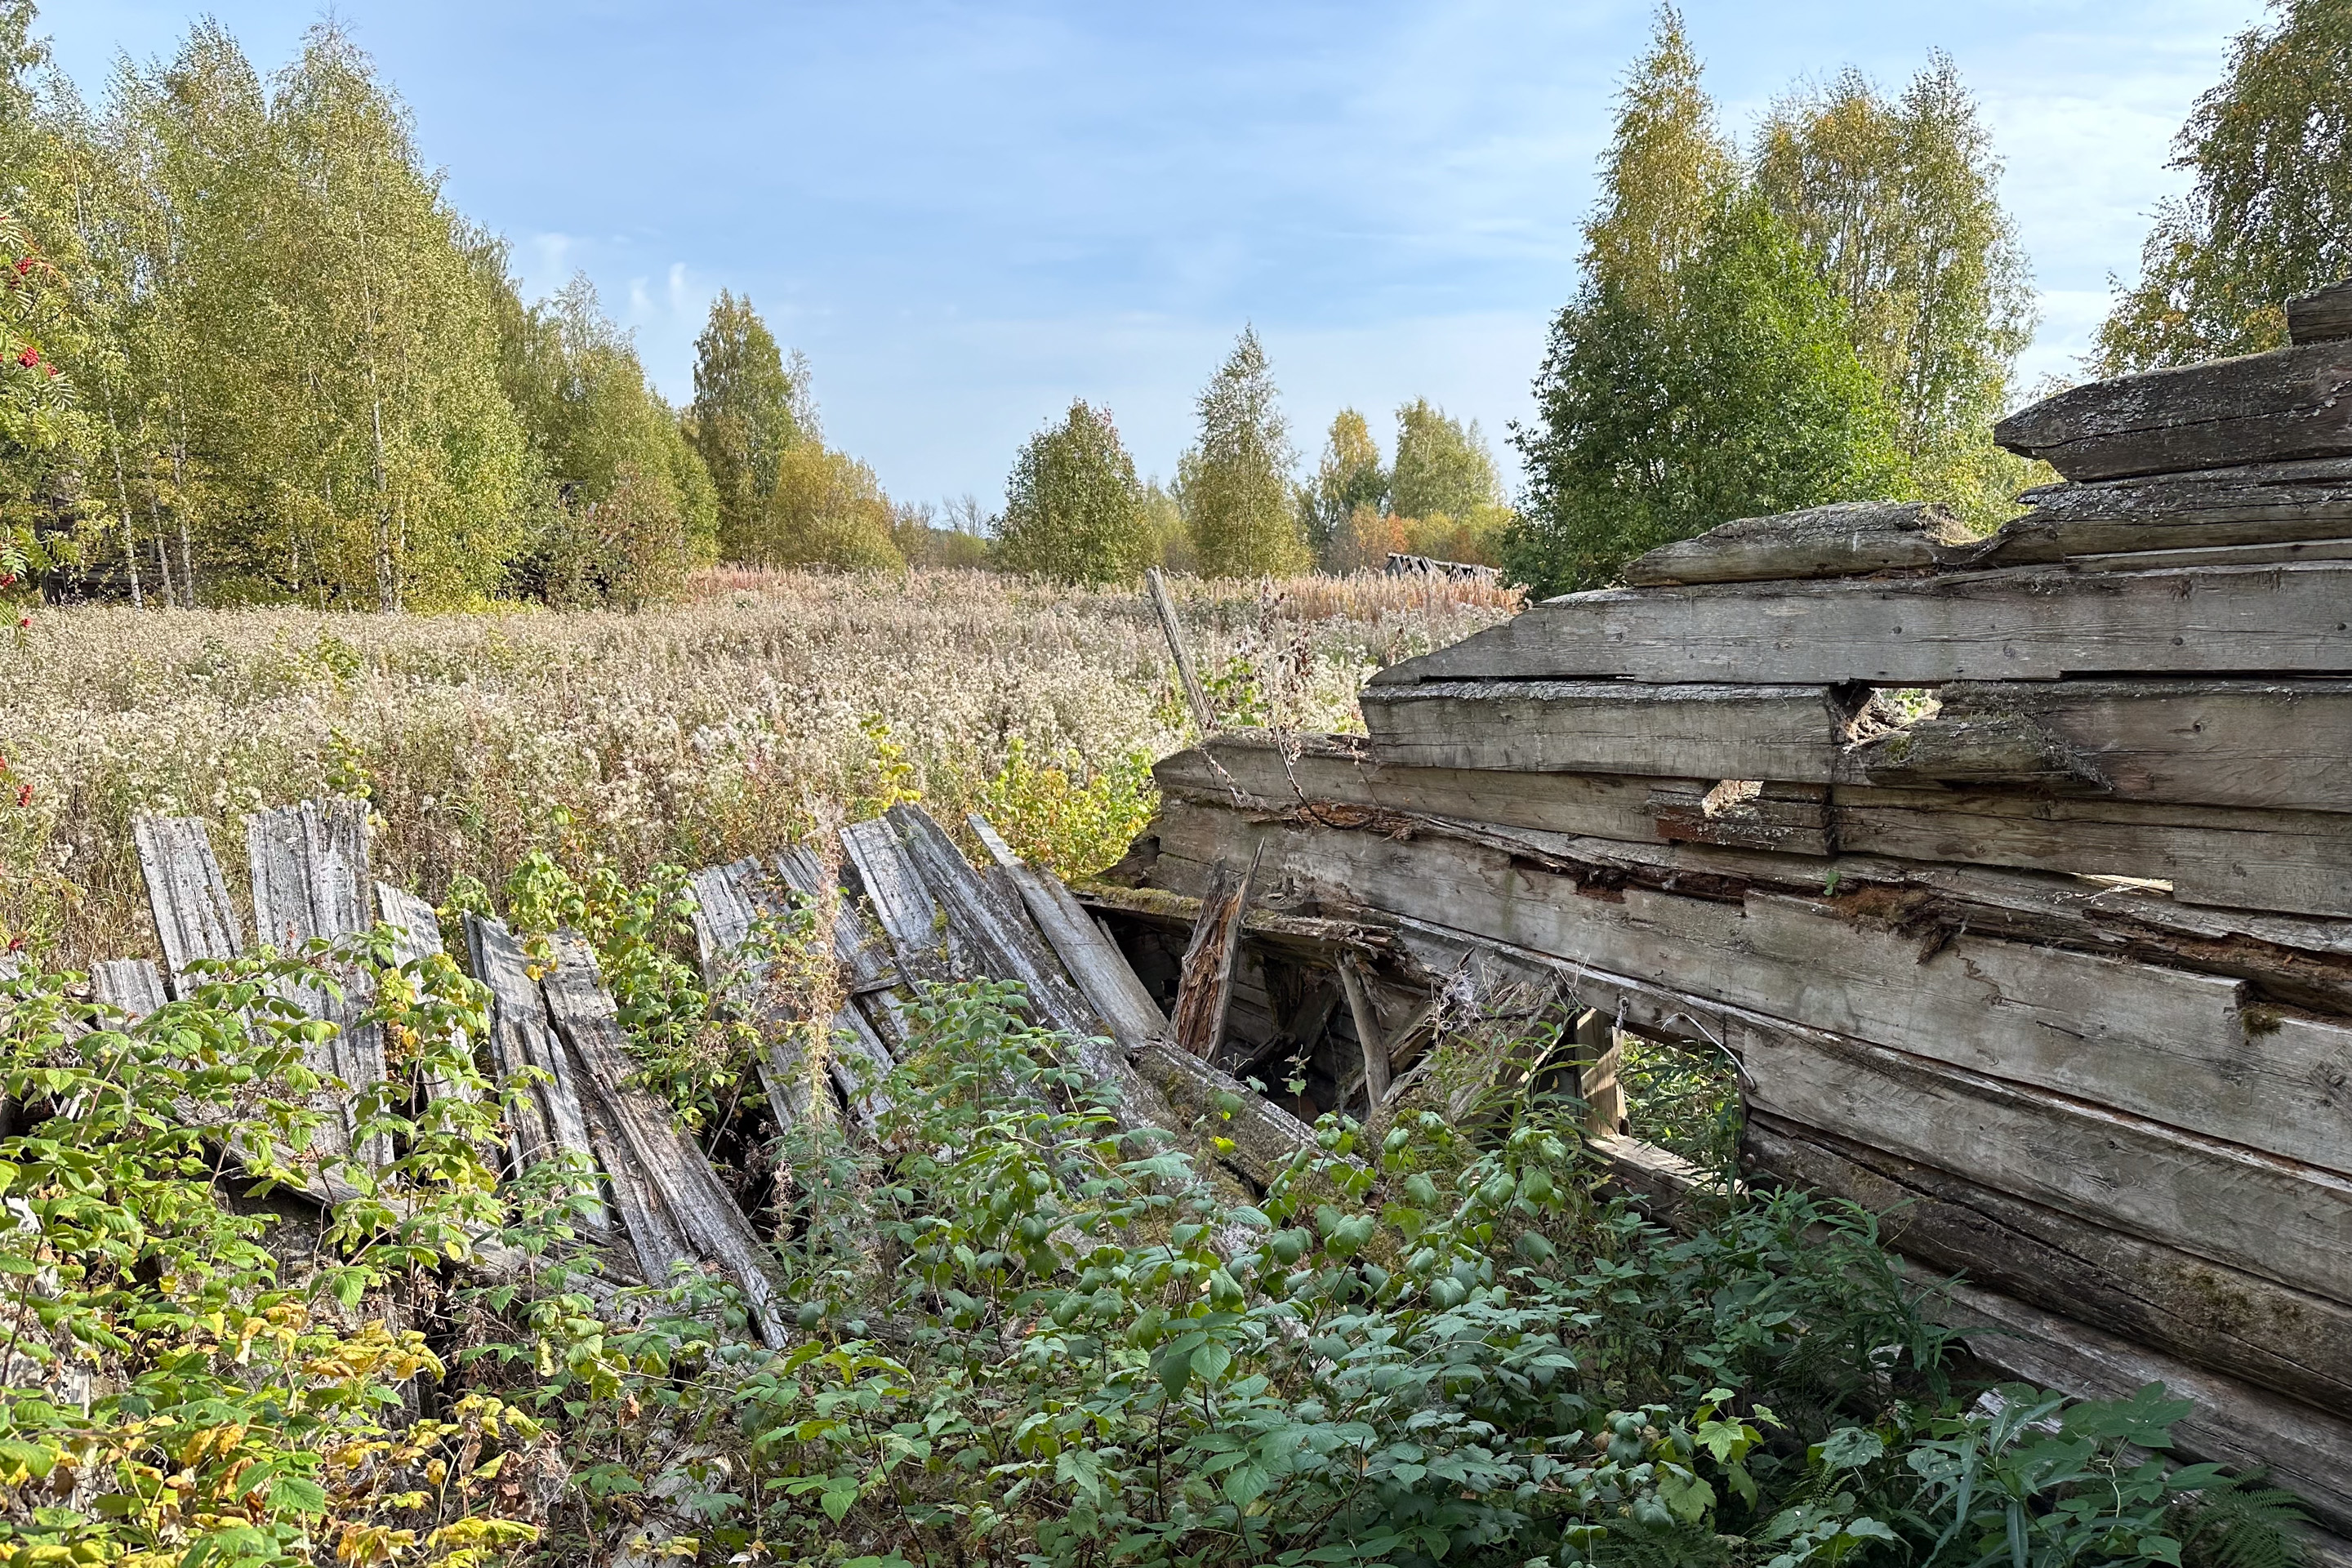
(689, 734)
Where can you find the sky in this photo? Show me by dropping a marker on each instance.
(967, 214)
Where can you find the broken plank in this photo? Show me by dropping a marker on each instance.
(309, 863)
(2290, 1341)
(928, 950)
(866, 965)
(545, 1119)
(134, 984)
(2176, 1046)
(1842, 540)
(993, 923)
(1206, 989)
(2291, 403)
(1093, 962)
(2023, 624)
(2261, 745)
(676, 1208)
(729, 900)
(1717, 732)
(2251, 504)
(187, 894)
(2297, 862)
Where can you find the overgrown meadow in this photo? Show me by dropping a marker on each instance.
(689, 735)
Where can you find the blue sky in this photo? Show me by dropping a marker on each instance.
(967, 214)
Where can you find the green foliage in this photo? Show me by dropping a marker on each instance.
(1747, 400)
(1442, 468)
(827, 509)
(1234, 482)
(2270, 214)
(1683, 1099)
(747, 409)
(1899, 202)
(1073, 511)
(1349, 476)
(1072, 818)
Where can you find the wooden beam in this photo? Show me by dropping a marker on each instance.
(547, 1118)
(2258, 503)
(994, 926)
(2288, 404)
(1203, 714)
(1207, 987)
(1369, 1036)
(1719, 731)
(1597, 1058)
(1094, 961)
(310, 883)
(1844, 539)
(2325, 315)
(2025, 624)
(187, 894)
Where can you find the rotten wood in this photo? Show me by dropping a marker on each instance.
(1723, 731)
(1369, 1036)
(1207, 988)
(1746, 814)
(1847, 539)
(310, 883)
(187, 894)
(867, 964)
(2251, 504)
(416, 936)
(929, 948)
(2034, 623)
(866, 1027)
(994, 925)
(547, 1118)
(2322, 316)
(1203, 714)
(2289, 404)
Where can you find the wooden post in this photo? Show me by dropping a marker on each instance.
(1596, 1057)
(1368, 1033)
(1207, 986)
(1168, 623)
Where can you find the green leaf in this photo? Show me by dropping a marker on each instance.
(296, 1495)
(1246, 1484)
(1850, 1447)
(1175, 1367)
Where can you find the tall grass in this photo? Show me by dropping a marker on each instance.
(697, 733)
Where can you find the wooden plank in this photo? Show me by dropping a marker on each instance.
(187, 894)
(858, 1057)
(675, 1208)
(2288, 404)
(134, 984)
(548, 1118)
(2291, 1341)
(2251, 504)
(2298, 862)
(1207, 987)
(1203, 714)
(995, 927)
(415, 929)
(866, 962)
(1093, 962)
(310, 883)
(2321, 316)
(728, 900)
(929, 948)
(1371, 1038)
(1597, 1057)
(2179, 1048)
(1715, 731)
(2261, 745)
(2025, 624)
(1747, 814)
(1843, 539)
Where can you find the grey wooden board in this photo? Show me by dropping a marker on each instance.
(2258, 503)
(2291, 1341)
(675, 1208)
(1790, 818)
(2299, 862)
(2263, 744)
(415, 929)
(868, 963)
(2306, 1451)
(2217, 555)
(549, 1118)
(2026, 624)
(186, 892)
(1792, 732)
(309, 863)
(993, 924)
(134, 984)
(728, 901)
(927, 947)
(2320, 316)
(1842, 540)
(2169, 1044)
(2288, 404)
(1093, 962)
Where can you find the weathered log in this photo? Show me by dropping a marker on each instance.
(194, 919)
(2288, 404)
(2179, 1048)
(675, 1208)
(2289, 1341)
(2322, 316)
(1847, 539)
(1791, 732)
(310, 883)
(2024, 624)
(2251, 504)
(1747, 814)
(1252, 1136)
(546, 1119)
(2264, 744)
(1207, 987)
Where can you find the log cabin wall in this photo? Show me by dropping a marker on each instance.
(2016, 872)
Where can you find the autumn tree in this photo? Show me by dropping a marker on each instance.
(1073, 511)
(1442, 468)
(744, 415)
(2270, 214)
(1234, 481)
(1349, 476)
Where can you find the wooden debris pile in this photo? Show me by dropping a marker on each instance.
(2016, 873)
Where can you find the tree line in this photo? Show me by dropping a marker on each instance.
(248, 350)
